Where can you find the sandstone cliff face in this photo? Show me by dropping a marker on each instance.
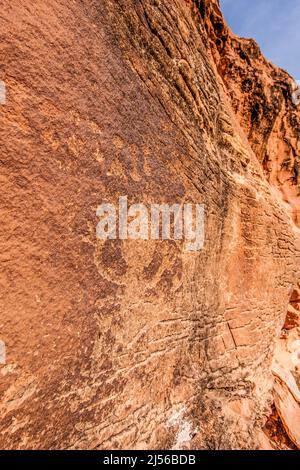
(139, 344)
(261, 96)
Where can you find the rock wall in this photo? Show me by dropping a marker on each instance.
(133, 344)
(261, 96)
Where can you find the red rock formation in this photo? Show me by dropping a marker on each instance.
(286, 370)
(261, 96)
(138, 344)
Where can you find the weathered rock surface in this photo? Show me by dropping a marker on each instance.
(138, 344)
(260, 94)
(287, 401)
(286, 371)
(292, 319)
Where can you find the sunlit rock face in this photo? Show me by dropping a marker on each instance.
(138, 343)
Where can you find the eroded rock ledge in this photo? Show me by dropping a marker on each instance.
(135, 344)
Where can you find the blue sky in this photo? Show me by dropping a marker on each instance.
(275, 24)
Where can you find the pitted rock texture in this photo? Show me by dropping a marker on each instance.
(132, 344)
